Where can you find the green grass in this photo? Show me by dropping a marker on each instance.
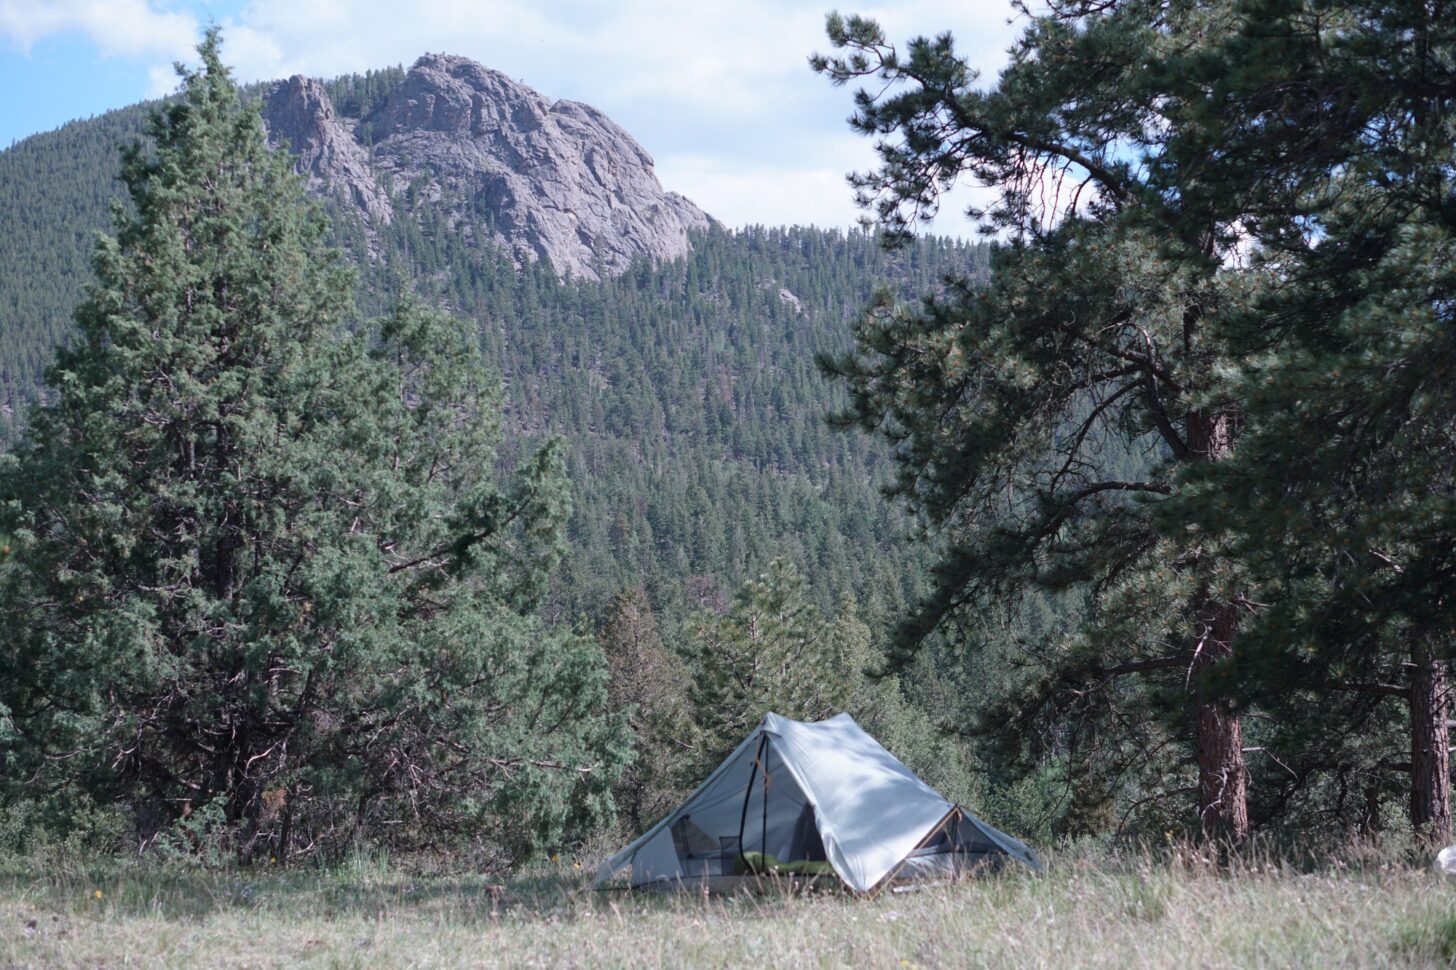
(1084, 913)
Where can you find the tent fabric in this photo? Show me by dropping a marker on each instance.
(726, 786)
(1015, 848)
(870, 811)
(873, 811)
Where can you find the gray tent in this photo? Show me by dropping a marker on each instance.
(810, 800)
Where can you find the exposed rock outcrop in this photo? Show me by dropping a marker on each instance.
(562, 182)
(554, 181)
(299, 111)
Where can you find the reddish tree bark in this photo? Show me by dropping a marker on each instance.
(1223, 807)
(1430, 804)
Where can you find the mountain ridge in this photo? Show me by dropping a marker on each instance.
(558, 181)
(685, 389)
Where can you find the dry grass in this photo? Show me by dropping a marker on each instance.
(1084, 913)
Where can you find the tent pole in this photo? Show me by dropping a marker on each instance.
(763, 832)
(747, 797)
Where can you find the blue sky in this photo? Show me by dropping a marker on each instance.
(718, 92)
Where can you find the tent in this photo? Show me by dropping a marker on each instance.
(813, 799)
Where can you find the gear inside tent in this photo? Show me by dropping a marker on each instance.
(820, 799)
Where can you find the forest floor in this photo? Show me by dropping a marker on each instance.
(1082, 913)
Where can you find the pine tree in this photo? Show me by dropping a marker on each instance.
(1326, 130)
(1275, 176)
(264, 569)
(651, 681)
(1041, 419)
(770, 650)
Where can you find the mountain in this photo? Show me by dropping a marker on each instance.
(300, 115)
(559, 181)
(681, 375)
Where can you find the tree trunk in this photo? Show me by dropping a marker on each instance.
(1430, 804)
(1370, 822)
(1223, 808)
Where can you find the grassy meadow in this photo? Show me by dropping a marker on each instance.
(1166, 912)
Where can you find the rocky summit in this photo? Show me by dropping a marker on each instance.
(298, 112)
(555, 181)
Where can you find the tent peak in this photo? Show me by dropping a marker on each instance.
(774, 723)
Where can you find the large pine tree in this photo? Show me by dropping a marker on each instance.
(1041, 419)
(264, 563)
(1229, 237)
(1327, 131)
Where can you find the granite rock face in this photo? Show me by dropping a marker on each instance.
(299, 111)
(555, 181)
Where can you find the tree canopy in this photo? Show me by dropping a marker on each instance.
(266, 565)
(1040, 420)
(1204, 392)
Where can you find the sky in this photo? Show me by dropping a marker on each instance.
(718, 91)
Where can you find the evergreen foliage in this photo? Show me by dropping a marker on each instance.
(649, 681)
(1040, 420)
(266, 578)
(772, 649)
(1327, 131)
(1225, 292)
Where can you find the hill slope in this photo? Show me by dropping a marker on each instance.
(682, 375)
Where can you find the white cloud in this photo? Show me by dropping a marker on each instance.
(773, 195)
(256, 55)
(118, 28)
(161, 80)
(764, 194)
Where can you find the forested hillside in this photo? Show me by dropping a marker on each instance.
(297, 538)
(56, 192)
(687, 392)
